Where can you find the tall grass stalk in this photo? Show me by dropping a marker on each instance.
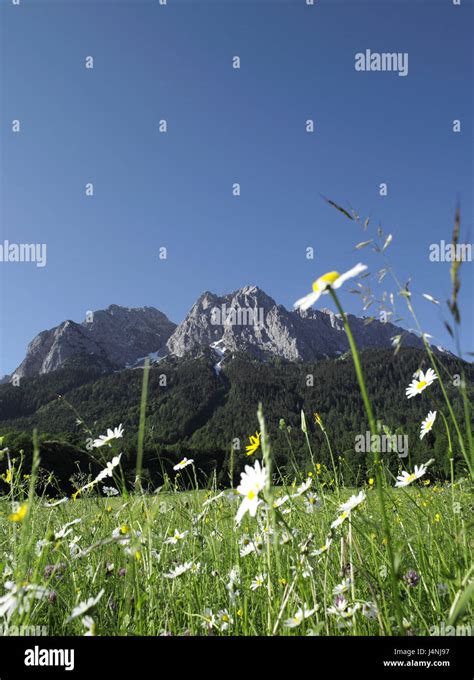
(377, 463)
(141, 427)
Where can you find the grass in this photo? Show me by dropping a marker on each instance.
(119, 547)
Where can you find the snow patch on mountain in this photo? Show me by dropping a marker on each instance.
(219, 350)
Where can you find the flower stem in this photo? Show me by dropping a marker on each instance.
(373, 429)
(141, 429)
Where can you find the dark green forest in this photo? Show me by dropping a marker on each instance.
(193, 412)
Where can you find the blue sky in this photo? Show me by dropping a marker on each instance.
(225, 126)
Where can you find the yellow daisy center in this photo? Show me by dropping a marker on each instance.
(421, 385)
(410, 478)
(251, 495)
(324, 280)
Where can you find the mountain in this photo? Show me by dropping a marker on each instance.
(117, 337)
(247, 320)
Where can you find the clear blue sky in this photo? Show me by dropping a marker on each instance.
(225, 126)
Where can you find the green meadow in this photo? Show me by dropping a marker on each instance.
(286, 550)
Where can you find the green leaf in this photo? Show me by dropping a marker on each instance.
(460, 603)
(338, 207)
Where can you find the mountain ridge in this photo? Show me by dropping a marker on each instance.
(247, 320)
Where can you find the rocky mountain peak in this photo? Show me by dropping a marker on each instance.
(246, 320)
(118, 335)
(250, 320)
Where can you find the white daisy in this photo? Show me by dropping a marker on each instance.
(339, 520)
(110, 491)
(103, 439)
(369, 610)
(84, 607)
(420, 382)
(183, 463)
(339, 607)
(209, 619)
(258, 582)
(303, 488)
(302, 567)
(302, 614)
(176, 537)
(353, 502)
(406, 478)
(323, 549)
(66, 530)
(252, 482)
(20, 598)
(311, 503)
(342, 587)
(321, 285)
(342, 609)
(108, 470)
(232, 586)
(224, 619)
(250, 548)
(73, 546)
(179, 570)
(280, 501)
(428, 423)
(89, 624)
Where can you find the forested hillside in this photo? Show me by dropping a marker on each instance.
(193, 411)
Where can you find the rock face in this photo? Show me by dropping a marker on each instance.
(118, 335)
(249, 320)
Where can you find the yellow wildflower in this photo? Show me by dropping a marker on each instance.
(20, 514)
(318, 421)
(254, 443)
